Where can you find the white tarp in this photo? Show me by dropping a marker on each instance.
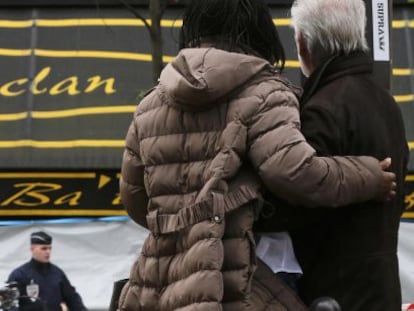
(406, 256)
(95, 254)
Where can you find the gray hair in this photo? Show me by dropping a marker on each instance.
(330, 27)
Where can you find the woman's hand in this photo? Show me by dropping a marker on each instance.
(389, 185)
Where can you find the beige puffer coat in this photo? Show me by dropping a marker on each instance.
(217, 128)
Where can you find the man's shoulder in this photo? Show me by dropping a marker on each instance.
(57, 271)
(55, 268)
(332, 98)
(20, 270)
(23, 266)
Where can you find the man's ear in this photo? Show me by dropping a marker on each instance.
(301, 46)
(304, 54)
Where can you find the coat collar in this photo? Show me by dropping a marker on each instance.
(334, 68)
(40, 266)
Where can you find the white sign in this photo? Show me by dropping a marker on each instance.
(380, 30)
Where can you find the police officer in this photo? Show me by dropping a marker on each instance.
(43, 286)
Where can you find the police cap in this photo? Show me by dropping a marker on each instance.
(40, 237)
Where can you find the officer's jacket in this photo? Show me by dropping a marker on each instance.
(54, 286)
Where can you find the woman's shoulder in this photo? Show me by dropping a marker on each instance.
(267, 84)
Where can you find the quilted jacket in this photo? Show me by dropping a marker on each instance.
(218, 128)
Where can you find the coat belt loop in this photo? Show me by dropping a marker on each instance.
(218, 206)
(152, 222)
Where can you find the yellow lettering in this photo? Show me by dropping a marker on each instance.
(117, 200)
(71, 199)
(409, 200)
(39, 78)
(31, 194)
(5, 89)
(96, 81)
(68, 85)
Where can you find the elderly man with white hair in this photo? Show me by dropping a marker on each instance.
(349, 253)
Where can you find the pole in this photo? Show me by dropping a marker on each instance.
(379, 21)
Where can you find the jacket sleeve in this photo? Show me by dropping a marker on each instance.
(132, 188)
(18, 276)
(289, 167)
(70, 296)
(322, 130)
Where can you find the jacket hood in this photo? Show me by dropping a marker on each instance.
(199, 77)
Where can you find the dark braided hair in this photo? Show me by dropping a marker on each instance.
(234, 25)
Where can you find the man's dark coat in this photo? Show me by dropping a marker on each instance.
(350, 253)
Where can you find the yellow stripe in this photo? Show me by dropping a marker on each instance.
(81, 112)
(399, 23)
(62, 212)
(16, 24)
(61, 144)
(404, 98)
(408, 215)
(92, 54)
(60, 175)
(74, 22)
(82, 22)
(282, 21)
(292, 64)
(402, 71)
(134, 22)
(71, 22)
(402, 24)
(13, 116)
(15, 52)
(97, 54)
(171, 23)
(54, 114)
(75, 143)
(48, 175)
(130, 56)
(103, 22)
(81, 54)
(409, 178)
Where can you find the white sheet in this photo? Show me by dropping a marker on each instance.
(95, 254)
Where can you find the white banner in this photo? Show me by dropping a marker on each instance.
(380, 30)
(406, 258)
(96, 254)
(93, 255)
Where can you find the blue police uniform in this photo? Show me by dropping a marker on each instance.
(54, 286)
